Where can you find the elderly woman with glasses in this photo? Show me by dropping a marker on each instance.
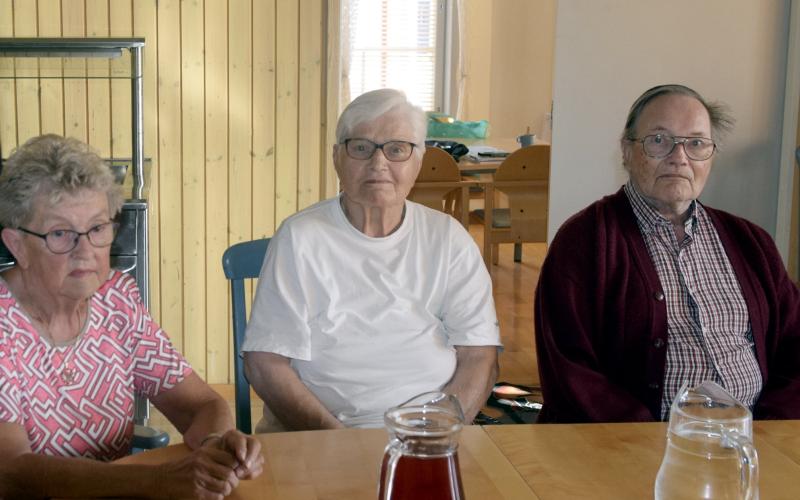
(367, 299)
(76, 343)
(648, 289)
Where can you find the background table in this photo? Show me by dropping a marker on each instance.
(546, 462)
(468, 166)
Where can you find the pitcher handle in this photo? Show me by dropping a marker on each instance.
(392, 454)
(748, 461)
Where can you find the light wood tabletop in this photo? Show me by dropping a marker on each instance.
(575, 461)
(620, 461)
(345, 464)
(784, 435)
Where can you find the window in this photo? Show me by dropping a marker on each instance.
(399, 44)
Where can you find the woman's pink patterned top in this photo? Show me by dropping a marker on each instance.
(77, 400)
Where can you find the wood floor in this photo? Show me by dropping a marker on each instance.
(514, 285)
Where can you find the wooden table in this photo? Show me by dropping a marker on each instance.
(592, 461)
(345, 464)
(620, 461)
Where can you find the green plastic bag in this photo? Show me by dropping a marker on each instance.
(440, 125)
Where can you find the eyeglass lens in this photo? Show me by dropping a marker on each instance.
(363, 149)
(64, 240)
(660, 146)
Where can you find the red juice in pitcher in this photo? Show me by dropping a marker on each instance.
(421, 460)
(422, 478)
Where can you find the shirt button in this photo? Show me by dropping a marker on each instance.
(659, 343)
(659, 296)
(653, 385)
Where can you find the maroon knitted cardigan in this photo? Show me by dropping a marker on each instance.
(601, 318)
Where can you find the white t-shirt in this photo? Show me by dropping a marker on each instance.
(371, 322)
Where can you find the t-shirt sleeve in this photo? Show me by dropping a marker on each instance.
(10, 411)
(279, 318)
(157, 365)
(468, 312)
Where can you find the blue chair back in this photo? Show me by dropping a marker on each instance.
(240, 262)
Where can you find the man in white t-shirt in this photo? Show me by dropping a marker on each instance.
(366, 300)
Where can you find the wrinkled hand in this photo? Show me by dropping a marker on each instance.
(208, 473)
(245, 449)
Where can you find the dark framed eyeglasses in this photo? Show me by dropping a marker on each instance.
(363, 149)
(61, 241)
(662, 145)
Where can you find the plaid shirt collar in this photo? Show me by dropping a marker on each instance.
(648, 217)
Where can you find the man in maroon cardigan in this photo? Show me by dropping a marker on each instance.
(648, 289)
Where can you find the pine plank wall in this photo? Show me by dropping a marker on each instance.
(237, 102)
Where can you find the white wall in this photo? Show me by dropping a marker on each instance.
(522, 67)
(607, 52)
(509, 65)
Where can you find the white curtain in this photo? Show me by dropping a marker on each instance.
(458, 66)
(344, 52)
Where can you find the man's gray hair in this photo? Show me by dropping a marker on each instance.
(718, 112)
(370, 105)
(52, 166)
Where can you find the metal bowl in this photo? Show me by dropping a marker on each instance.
(119, 170)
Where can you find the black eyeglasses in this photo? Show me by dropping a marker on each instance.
(363, 149)
(61, 241)
(662, 145)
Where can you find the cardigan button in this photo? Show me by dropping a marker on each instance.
(658, 343)
(659, 296)
(653, 385)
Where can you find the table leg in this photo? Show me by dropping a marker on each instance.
(488, 213)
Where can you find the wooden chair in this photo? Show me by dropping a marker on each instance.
(240, 262)
(439, 185)
(524, 178)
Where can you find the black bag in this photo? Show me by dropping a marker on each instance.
(455, 149)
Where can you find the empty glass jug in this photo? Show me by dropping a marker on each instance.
(710, 451)
(421, 459)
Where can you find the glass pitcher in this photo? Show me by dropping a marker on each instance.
(710, 451)
(421, 459)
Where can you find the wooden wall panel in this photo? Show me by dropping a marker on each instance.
(98, 88)
(238, 113)
(240, 120)
(193, 185)
(333, 103)
(73, 25)
(8, 121)
(240, 123)
(216, 196)
(263, 120)
(27, 71)
(286, 105)
(170, 167)
(309, 104)
(120, 18)
(50, 70)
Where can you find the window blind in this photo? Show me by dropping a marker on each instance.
(393, 44)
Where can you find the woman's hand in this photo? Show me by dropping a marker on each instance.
(208, 473)
(244, 448)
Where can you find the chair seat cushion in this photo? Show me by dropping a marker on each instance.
(501, 217)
